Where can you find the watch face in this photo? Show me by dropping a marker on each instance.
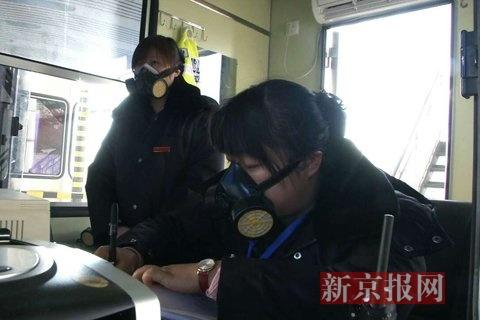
(206, 265)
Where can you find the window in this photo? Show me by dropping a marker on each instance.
(393, 74)
(44, 150)
(64, 123)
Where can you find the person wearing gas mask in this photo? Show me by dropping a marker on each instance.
(157, 149)
(297, 199)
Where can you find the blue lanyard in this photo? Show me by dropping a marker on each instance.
(280, 239)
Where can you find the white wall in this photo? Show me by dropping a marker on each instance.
(226, 36)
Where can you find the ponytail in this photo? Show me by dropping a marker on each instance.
(331, 108)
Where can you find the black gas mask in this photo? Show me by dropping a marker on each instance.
(252, 213)
(148, 81)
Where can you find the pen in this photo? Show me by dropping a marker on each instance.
(112, 252)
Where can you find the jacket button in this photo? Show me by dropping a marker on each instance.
(139, 160)
(437, 239)
(297, 256)
(408, 248)
(134, 207)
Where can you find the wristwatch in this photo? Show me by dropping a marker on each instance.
(203, 269)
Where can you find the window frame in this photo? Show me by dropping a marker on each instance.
(148, 26)
(323, 47)
(34, 95)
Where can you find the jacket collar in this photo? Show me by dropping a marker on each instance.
(353, 196)
(182, 96)
(304, 237)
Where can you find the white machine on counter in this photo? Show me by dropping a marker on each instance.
(27, 217)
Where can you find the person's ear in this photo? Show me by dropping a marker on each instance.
(313, 163)
(176, 73)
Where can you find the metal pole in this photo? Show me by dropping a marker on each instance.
(384, 251)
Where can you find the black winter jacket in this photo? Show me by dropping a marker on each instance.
(148, 162)
(341, 233)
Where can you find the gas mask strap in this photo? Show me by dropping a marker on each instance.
(165, 73)
(282, 174)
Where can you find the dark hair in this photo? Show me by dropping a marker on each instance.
(166, 48)
(333, 112)
(277, 115)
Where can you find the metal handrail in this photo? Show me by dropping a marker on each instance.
(408, 150)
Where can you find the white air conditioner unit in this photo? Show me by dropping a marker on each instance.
(333, 11)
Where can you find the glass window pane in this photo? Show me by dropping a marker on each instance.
(64, 123)
(45, 148)
(97, 37)
(393, 74)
